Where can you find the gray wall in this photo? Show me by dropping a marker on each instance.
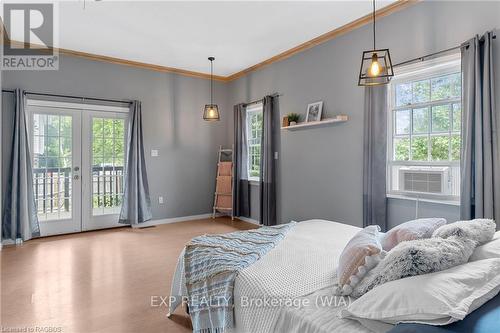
(401, 210)
(321, 169)
(172, 105)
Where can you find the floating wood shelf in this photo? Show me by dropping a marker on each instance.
(320, 123)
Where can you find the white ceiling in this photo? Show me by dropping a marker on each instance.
(183, 34)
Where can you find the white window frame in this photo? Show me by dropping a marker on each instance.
(425, 70)
(250, 111)
(78, 106)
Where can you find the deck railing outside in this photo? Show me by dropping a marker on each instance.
(52, 187)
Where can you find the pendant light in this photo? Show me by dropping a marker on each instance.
(211, 112)
(376, 66)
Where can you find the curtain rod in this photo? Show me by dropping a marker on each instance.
(71, 96)
(419, 59)
(260, 100)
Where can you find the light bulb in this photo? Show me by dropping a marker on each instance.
(211, 113)
(375, 66)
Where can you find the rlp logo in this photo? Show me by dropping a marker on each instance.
(30, 29)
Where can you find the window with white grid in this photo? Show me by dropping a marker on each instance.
(425, 130)
(254, 135)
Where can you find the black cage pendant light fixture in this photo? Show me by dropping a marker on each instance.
(376, 66)
(211, 112)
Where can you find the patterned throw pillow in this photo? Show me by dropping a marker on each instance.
(362, 253)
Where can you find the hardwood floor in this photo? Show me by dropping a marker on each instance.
(101, 281)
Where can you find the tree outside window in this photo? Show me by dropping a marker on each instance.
(254, 135)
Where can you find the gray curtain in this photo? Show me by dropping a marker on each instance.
(136, 207)
(480, 164)
(20, 219)
(241, 198)
(267, 164)
(375, 157)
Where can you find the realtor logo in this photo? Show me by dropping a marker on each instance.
(29, 35)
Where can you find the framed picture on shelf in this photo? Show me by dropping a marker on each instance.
(314, 111)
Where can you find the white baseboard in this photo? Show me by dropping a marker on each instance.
(249, 220)
(173, 220)
(189, 218)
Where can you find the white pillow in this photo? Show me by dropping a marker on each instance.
(437, 299)
(488, 250)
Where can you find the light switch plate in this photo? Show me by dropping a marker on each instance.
(154, 153)
(160, 200)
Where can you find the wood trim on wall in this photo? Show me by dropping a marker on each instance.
(143, 65)
(131, 63)
(385, 11)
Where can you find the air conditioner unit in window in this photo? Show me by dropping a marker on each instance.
(422, 179)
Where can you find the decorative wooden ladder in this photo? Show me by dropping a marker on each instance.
(223, 198)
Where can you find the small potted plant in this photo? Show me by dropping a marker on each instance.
(293, 118)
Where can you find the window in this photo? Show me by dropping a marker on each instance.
(424, 130)
(254, 135)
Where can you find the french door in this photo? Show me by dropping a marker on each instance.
(78, 158)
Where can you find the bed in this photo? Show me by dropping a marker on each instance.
(306, 259)
(290, 289)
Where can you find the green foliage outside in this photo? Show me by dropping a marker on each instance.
(421, 120)
(402, 149)
(457, 117)
(419, 148)
(107, 150)
(440, 148)
(254, 161)
(254, 149)
(108, 142)
(53, 141)
(107, 201)
(441, 118)
(435, 89)
(455, 147)
(441, 124)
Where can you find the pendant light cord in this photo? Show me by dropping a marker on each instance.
(374, 25)
(211, 83)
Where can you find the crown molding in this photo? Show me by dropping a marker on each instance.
(385, 11)
(124, 62)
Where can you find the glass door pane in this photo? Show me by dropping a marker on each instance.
(52, 169)
(108, 159)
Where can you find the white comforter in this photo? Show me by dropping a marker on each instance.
(301, 264)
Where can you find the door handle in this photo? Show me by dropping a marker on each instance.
(76, 168)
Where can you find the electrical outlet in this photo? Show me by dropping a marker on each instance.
(154, 153)
(160, 200)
